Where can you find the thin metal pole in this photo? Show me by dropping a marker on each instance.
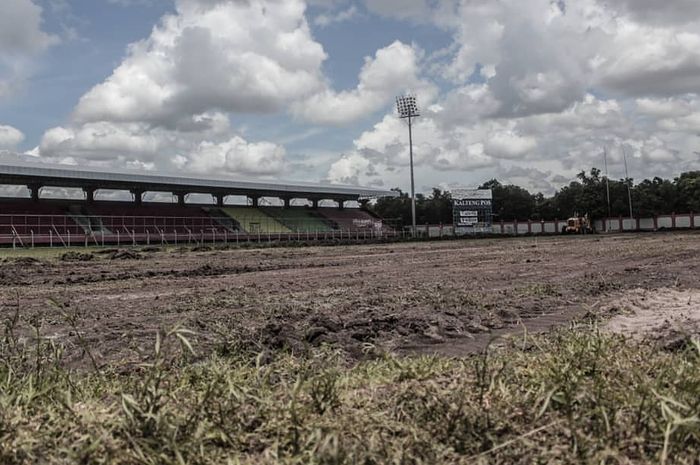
(627, 181)
(607, 184)
(413, 190)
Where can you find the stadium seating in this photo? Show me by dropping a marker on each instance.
(353, 219)
(153, 219)
(28, 218)
(69, 221)
(300, 219)
(254, 221)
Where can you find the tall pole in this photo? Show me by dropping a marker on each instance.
(408, 109)
(413, 187)
(607, 184)
(607, 179)
(628, 181)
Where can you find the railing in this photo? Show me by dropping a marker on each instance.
(63, 231)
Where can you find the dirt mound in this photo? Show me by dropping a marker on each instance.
(125, 255)
(667, 315)
(451, 298)
(76, 257)
(22, 261)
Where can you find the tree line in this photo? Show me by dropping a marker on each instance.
(586, 195)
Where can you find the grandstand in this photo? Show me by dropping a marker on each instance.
(254, 220)
(353, 220)
(36, 220)
(301, 219)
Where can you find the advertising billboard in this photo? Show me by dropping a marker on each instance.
(472, 210)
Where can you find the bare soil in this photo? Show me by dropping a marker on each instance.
(669, 316)
(450, 297)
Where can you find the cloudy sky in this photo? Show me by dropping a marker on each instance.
(528, 91)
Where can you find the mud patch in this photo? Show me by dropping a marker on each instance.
(76, 257)
(452, 298)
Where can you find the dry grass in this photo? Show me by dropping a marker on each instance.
(574, 396)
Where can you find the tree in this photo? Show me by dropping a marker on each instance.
(586, 195)
(688, 191)
(510, 202)
(655, 197)
(436, 209)
(394, 209)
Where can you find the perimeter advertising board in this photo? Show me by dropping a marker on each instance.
(472, 210)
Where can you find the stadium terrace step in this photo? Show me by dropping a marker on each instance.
(353, 219)
(223, 219)
(300, 219)
(156, 219)
(90, 224)
(254, 220)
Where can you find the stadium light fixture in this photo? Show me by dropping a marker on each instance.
(408, 109)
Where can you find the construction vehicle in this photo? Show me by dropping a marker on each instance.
(577, 225)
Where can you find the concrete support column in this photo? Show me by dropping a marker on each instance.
(314, 203)
(255, 201)
(287, 202)
(341, 204)
(138, 196)
(35, 189)
(89, 194)
(180, 198)
(220, 200)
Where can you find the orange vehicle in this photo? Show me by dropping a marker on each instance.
(577, 225)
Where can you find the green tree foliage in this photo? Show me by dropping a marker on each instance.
(435, 209)
(688, 189)
(510, 201)
(586, 195)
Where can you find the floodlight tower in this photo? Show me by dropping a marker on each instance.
(408, 109)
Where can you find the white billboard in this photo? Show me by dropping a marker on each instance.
(472, 194)
(472, 210)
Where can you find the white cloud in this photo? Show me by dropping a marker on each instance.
(402, 9)
(166, 105)
(666, 62)
(20, 28)
(230, 56)
(238, 156)
(528, 89)
(510, 145)
(327, 19)
(393, 69)
(349, 169)
(10, 137)
(211, 150)
(542, 87)
(21, 39)
(669, 12)
(663, 107)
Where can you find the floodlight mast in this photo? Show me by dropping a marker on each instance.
(408, 109)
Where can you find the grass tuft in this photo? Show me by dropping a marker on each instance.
(573, 396)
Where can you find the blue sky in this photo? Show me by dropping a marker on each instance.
(527, 91)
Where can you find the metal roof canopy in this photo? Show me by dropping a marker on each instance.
(40, 174)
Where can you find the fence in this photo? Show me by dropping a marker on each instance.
(618, 224)
(660, 222)
(533, 227)
(64, 231)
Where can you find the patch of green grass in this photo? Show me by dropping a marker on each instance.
(575, 396)
(43, 252)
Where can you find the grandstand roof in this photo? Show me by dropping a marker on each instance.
(24, 173)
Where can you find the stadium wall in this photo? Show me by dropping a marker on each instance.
(684, 221)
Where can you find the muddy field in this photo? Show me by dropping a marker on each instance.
(447, 297)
